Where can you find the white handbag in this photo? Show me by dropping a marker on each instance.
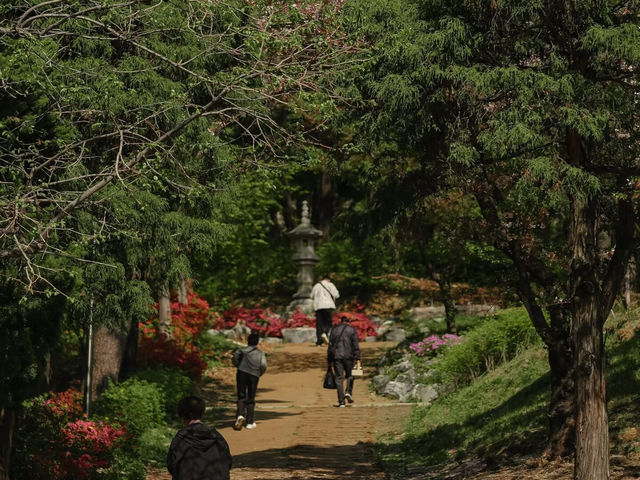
(357, 371)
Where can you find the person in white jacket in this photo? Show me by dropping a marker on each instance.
(324, 295)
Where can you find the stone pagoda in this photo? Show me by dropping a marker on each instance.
(303, 239)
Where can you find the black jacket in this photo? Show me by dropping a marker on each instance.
(343, 343)
(198, 452)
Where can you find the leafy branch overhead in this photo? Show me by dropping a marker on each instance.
(168, 96)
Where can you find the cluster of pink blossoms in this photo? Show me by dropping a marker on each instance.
(433, 342)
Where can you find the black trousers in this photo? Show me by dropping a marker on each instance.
(342, 370)
(247, 388)
(324, 317)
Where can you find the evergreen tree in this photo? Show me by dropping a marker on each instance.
(534, 106)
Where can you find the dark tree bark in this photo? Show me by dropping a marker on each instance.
(593, 294)
(7, 425)
(562, 404)
(323, 207)
(129, 362)
(450, 309)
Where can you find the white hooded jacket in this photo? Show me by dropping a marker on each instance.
(324, 294)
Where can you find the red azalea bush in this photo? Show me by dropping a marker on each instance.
(271, 325)
(156, 351)
(262, 321)
(56, 442)
(188, 321)
(358, 320)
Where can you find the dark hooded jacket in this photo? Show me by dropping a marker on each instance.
(343, 343)
(198, 452)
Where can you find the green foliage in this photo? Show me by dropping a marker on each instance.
(504, 410)
(30, 329)
(125, 465)
(215, 348)
(140, 405)
(153, 445)
(495, 341)
(173, 384)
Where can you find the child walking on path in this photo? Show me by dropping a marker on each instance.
(251, 364)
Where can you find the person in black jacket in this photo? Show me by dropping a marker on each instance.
(197, 452)
(251, 364)
(343, 353)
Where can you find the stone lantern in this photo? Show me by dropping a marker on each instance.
(303, 238)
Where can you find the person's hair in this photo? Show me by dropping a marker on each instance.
(191, 408)
(326, 276)
(253, 339)
(344, 319)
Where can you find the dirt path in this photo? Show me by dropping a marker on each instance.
(301, 435)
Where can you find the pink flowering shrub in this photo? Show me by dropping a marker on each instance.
(430, 345)
(57, 442)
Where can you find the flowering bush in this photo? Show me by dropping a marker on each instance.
(188, 321)
(56, 442)
(157, 351)
(430, 344)
(360, 321)
(270, 325)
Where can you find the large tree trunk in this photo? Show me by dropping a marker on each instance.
(129, 362)
(7, 425)
(164, 312)
(450, 309)
(323, 208)
(561, 406)
(592, 427)
(108, 353)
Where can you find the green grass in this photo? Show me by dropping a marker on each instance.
(503, 413)
(504, 409)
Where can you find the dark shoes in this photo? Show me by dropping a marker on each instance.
(348, 397)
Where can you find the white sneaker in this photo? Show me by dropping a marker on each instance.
(324, 338)
(239, 423)
(251, 426)
(348, 397)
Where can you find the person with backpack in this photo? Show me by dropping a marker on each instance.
(324, 295)
(251, 363)
(343, 353)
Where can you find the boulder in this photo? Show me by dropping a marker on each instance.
(370, 339)
(299, 335)
(238, 332)
(395, 334)
(397, 389)
(405, 365)
(424, 393)
(271, 340)
(379, 382)
(213, 332)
